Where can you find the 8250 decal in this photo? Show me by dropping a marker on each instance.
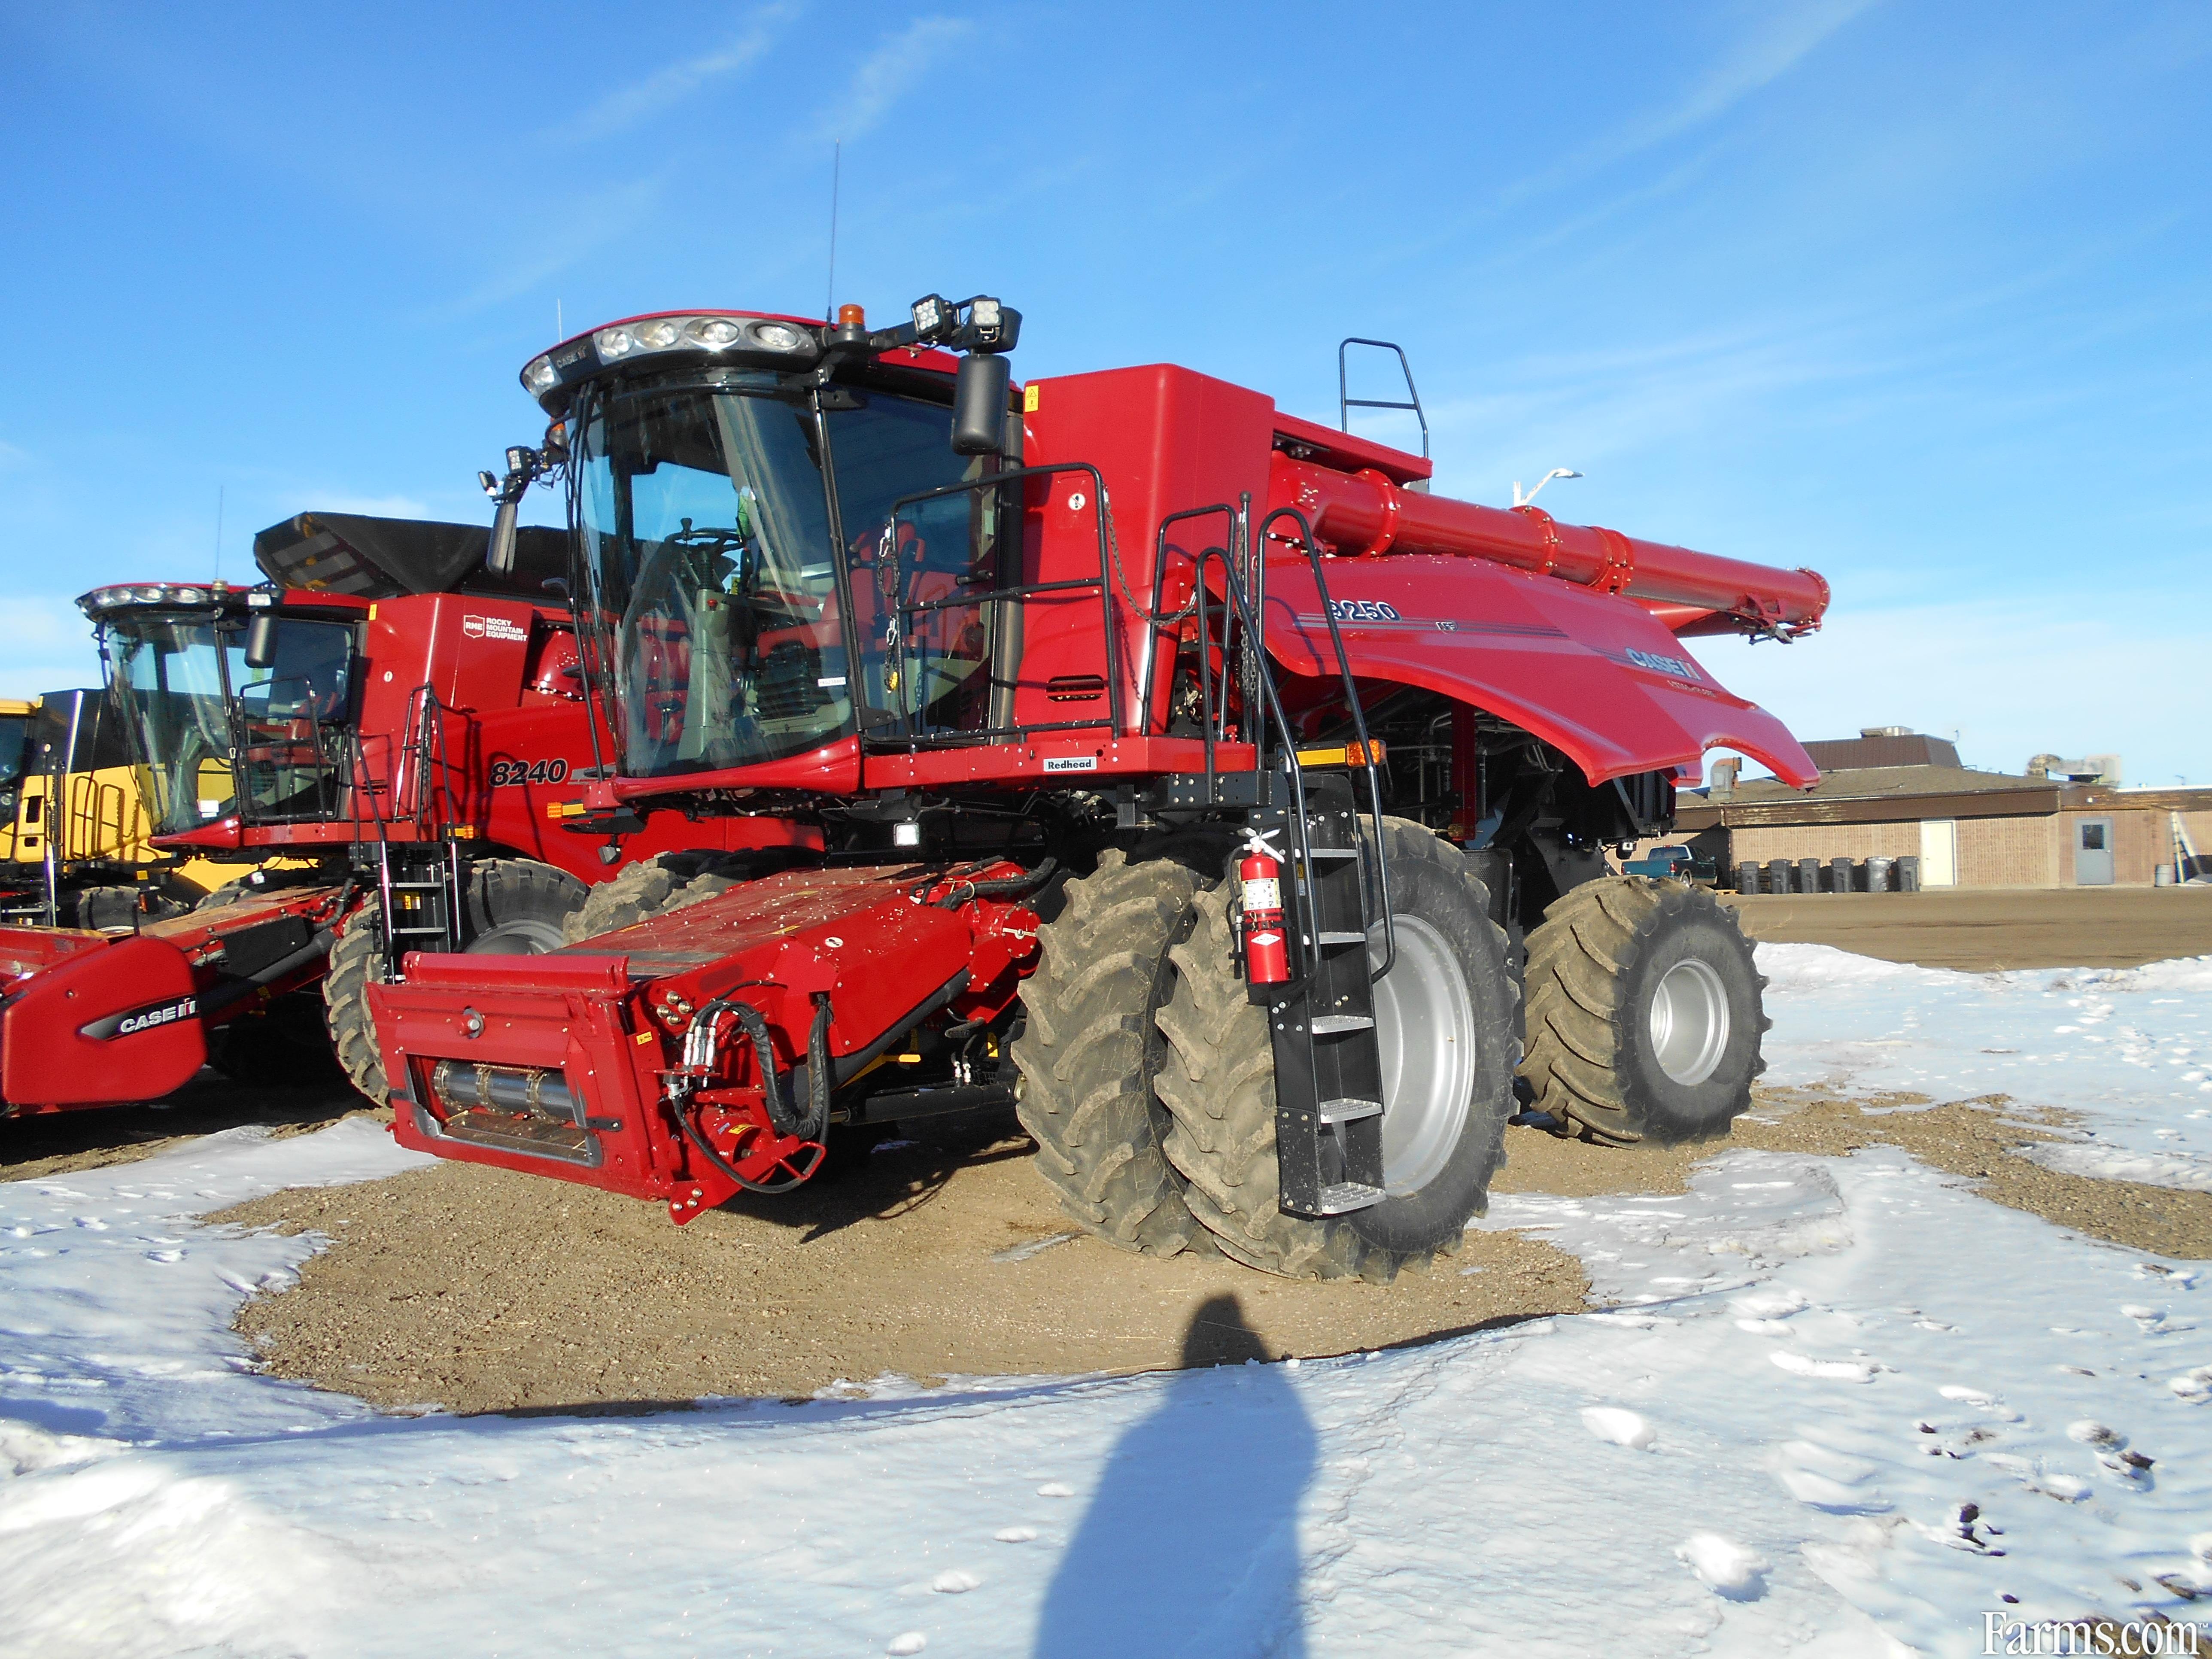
(515, 771)
(1364, 611)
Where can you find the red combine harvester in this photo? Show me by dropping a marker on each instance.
(403, 738)
(1188, 777)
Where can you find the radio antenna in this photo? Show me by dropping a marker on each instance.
(218, 533)
(837, 169)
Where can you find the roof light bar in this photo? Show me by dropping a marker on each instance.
(707, 333)
(122, 595)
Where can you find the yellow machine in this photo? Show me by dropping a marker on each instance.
(74, 828)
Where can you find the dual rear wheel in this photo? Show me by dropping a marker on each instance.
(1147, 1076)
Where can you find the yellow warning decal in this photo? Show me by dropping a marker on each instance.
(1028, 398)
(643, 1037)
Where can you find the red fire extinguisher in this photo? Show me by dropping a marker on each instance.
(1260, 878)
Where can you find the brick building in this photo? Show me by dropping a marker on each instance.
(1891, 793)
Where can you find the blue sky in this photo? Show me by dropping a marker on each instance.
(1915, 294)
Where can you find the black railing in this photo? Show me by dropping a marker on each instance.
(897, 611)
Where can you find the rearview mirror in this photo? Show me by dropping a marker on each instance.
(261, 640)
(499, 552)
(979, 404)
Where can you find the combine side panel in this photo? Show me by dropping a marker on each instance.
(1598, 677)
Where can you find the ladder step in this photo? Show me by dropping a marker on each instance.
(1349, 1111)
(1337, 1025)
(1344, 938)
(1334, 852)
(1342, 1196)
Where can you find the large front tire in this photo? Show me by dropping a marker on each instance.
(1086, 1051)
(1444, 1018)
(1645, 1013)
(651, 887)
(509, 906)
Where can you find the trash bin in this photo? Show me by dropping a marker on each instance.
(1839, 875)
(1746, 877)
(1879, 875)
(1808, 875)
(1779, 876)
(1908, 873)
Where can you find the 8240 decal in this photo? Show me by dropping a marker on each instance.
(515, 771)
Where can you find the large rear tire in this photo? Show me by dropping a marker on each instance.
(1445, 1018)
(509, 906)
(1088, 1048)
(1645, 1013)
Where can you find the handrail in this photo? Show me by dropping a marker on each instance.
(895, 641)
(1344, 405)
(1352, 704)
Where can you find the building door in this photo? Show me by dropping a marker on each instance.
(1939, 852)
(2093, 852)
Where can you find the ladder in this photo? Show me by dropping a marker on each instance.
(1329, 1064)
(1328, 1061)
(419, 882)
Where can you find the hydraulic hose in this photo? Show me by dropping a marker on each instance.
(814, 1122)
(1004, 887)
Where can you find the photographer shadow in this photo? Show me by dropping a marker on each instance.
(1191, 1543)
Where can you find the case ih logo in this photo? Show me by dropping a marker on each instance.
(493, 628)
(1658, 665)
(142, 1019)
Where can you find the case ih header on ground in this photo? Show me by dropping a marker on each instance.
(1185, 773)
(401, 751)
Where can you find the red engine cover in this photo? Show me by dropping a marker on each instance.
(102, 1026)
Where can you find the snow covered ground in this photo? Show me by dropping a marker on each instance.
(2130, 1048)
(1844, 1408)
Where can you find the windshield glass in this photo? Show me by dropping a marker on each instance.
(15, 736)
(179, 680)
(705, 520)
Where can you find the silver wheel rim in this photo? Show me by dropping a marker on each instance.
(1689, 1021)
(526, 936)
(1424, 1027)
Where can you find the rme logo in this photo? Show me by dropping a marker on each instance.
(493, 628)
(143, 1019)
(1659, 664)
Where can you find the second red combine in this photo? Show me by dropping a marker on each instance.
(1188, 776)
(391, 735)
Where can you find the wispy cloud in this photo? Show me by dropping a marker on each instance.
(626, 107)
(1785, 36)
(585, 224)
(888, 72)
(11, 457)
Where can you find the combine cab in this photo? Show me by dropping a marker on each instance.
(1186, 775)
(396, 760)
(74, 847)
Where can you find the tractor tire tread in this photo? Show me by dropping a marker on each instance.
(1579, 961)
(1082, 1055)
